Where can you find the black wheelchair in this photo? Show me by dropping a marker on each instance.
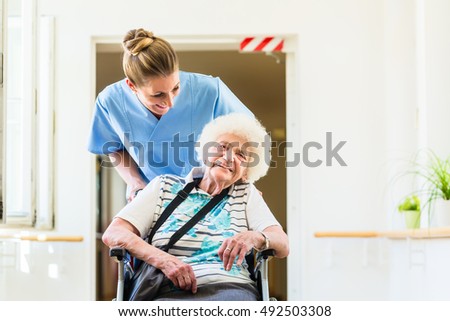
(257, 265)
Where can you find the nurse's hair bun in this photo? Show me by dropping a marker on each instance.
(146, 56)
(137, 40)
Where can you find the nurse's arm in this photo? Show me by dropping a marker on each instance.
(128, 170)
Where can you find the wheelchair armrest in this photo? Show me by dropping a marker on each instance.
(118, 253)
(263, 257)
(261, 272)
(122, 257)
(266, 254)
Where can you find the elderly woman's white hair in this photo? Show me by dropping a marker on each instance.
(245, 127)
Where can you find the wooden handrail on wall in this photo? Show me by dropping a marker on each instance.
(44, 238)
(347, 234)
(424, 233)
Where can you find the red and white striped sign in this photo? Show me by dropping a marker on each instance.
(264, 44)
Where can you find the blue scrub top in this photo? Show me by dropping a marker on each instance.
(164, 146)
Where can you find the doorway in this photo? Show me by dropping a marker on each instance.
(259, 80)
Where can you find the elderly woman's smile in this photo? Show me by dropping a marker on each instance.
(221, 165)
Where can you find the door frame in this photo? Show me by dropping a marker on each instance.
(294, 219)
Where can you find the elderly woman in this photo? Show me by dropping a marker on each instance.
(208, 262)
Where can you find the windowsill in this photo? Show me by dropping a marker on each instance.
(423, 233)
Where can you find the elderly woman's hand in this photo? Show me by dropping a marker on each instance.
(181, 274)
(238, 246)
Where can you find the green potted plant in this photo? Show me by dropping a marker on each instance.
(435, 176)
(410, 208)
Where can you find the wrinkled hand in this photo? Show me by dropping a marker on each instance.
(237, 246)
(181, 274)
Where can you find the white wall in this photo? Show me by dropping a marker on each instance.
(354, 75)
(437, 60)
(340, 91)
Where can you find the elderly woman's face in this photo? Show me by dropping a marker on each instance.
(228, 158)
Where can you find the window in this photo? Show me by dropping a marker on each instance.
(27, 189)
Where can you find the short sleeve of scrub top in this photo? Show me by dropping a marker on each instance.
(227, 102)
(104, 139)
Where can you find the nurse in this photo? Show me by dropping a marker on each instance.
(149, 122)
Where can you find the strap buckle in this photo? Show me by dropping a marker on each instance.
(182, 193)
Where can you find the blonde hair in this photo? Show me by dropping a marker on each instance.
(243, 126)
(146, 56)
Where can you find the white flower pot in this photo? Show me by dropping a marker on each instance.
(412, 219)
(442, 212)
